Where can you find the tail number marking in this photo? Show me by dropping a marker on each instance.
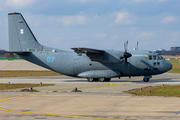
(50, 59)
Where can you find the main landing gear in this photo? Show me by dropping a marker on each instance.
(99, 79)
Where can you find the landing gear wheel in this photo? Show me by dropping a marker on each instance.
(146, 79)
(90, 79)
(107, 79)
(101, 79)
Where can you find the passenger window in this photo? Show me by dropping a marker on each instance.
(158, 64)
(150, 57)
(154, 57)
(154, 64)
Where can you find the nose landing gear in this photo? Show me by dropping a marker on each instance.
(146, 78)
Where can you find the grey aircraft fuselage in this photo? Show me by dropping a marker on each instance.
(93, 64)
(72, 64)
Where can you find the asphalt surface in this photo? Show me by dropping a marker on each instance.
(19, 65)
(98, 100)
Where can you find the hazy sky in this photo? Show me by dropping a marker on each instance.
(100, 24)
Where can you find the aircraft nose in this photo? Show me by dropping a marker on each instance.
(168, 66)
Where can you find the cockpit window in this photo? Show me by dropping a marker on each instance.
(150, 57)
(154, 57)
(159, 57)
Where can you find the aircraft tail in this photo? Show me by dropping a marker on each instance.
(21, 37)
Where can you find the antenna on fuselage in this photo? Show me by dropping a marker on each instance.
(137, 46)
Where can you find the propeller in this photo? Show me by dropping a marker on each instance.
(126, 54)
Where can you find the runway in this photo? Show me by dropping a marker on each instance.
(98, 100)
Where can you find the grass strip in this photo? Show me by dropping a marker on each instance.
(176, 66)
(19, 85)
(166, 91)
(16, 73)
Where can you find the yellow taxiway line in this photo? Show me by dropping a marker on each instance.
(19, 96)
(3, 79)
(72, 116)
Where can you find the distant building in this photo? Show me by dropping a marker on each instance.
(172, 51)
(2, 52)
(175, 49)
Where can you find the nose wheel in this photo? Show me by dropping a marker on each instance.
(146, 79)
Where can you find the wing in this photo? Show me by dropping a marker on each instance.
(93, 54)
(87, 50)
(111, 57)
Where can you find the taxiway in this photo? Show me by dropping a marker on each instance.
(98, 100)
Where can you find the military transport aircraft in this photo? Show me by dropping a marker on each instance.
(93, 64)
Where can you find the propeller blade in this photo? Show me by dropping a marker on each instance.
(126, 54)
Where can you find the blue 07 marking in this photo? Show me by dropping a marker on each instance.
(50, 59)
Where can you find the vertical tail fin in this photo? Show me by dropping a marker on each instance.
(21, 37)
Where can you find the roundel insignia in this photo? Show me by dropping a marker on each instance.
(21, 31)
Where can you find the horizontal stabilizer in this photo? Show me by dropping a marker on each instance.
(19, 52)
(87, 50)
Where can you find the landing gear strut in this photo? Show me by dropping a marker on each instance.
(108, 79)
